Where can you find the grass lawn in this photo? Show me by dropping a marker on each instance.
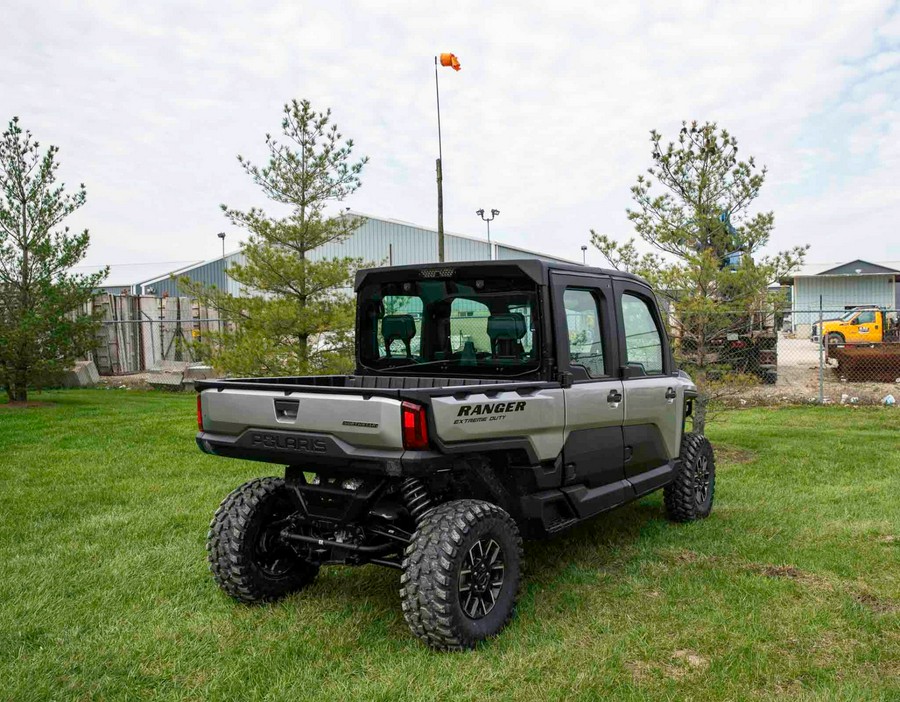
(790, 590)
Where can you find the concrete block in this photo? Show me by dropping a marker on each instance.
(82, 375)
(198, 372)
(166, 381)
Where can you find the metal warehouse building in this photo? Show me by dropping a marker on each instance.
(127, 278)
(378, 242)
(840, 286)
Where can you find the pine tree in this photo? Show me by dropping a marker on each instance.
(693, 208)
(43, 323)
(296, 317)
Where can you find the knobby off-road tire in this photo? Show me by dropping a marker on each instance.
(246, 556)
(690, 495)
(461, 574)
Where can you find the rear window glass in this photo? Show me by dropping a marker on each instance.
(453, 327)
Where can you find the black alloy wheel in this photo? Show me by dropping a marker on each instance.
(481, 578)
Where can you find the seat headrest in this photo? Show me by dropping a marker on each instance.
(398, 326)
(506, 326)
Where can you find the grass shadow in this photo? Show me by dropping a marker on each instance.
(588, 553)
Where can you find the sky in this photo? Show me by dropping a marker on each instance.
(548, 121)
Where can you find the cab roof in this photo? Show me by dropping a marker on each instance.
(536, 269)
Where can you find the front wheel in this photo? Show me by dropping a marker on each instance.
(461, 574)
(690, 495)
(247, 556)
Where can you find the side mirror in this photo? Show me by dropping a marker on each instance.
(633, 369)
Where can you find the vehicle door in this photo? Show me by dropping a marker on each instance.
(585, 344)
(865, 328)
(654, 402)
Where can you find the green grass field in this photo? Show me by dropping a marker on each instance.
(790, 590)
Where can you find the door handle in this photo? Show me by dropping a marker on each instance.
(671, 394)
(614, 396)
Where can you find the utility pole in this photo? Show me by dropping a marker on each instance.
(490, 219)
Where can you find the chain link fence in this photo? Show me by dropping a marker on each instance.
(837, 355)
(137, 334)
(134, 346)
(846, 355)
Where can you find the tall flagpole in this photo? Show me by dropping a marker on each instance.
(440, 174)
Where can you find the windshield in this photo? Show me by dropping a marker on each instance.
(483, 326)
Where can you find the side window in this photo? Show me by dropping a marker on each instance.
(643, 343)
(583, 326)
(866, 317)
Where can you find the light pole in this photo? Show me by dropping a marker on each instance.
(583, 255)
(221, 235)
(490, 219)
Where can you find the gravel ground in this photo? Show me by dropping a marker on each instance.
(798, 381)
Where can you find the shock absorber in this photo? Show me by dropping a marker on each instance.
(416, 497)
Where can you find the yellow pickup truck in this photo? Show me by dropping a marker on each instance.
(861, 325)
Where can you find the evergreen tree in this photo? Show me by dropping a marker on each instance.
(693, 208)
(43, 323)
(296, 317)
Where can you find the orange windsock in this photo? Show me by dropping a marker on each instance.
(450, 60)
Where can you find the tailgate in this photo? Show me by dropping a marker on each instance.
(359, 420)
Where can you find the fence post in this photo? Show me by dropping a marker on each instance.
(821, 357)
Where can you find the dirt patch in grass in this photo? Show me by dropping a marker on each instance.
(733, 454)
(780, 571)
(876, 604)
(684, 556)
(689, 660)
(640, 670)
(790, 572)
(681, 664)
(30, 404)
(889, 539)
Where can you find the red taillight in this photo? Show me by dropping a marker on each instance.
(199, 413)
(415, 428)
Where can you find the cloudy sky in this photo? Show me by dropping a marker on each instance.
(548, 120)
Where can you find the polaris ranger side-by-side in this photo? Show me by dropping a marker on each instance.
(491, 401)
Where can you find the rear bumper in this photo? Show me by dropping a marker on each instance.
(320, 452)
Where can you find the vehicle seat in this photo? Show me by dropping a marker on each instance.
(468, 355)
(506, 332)
(398, 327)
